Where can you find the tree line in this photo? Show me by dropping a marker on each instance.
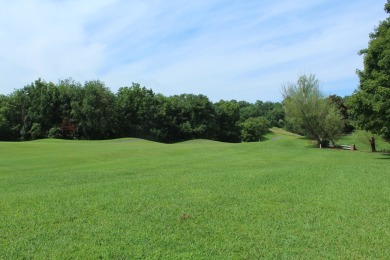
(71, 110)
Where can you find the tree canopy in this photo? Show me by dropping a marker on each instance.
(370, 104)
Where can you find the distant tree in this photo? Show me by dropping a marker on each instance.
(191, 116)
(248, 110)
(17, 108)
(274, 112)
(136, 110)
(95, 112)
(8, 132)
(339, 103)
(276, 115)
(33, 109)
(309, 112)
(162, 129)
(254, 128)
(228, 121)
(70, 95)
(370, 104)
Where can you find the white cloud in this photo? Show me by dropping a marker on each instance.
(224, 49)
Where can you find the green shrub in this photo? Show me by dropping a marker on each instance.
(254, 128)
(55, 132)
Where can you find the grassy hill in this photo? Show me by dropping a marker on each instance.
(131, 198)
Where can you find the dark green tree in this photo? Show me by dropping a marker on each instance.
(273, 112)
(276, 115)
(370, 104)
(8, 132)
(228, 121)
(190, 117)
(70, 95)
(33, 109)
(95, 113)
(248, 110)
(136, 110)
(254, 128)
(341, 106)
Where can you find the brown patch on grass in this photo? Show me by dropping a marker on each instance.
(185, 216)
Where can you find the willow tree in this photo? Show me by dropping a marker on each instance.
(309, 112)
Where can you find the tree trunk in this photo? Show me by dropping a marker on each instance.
(372, 143)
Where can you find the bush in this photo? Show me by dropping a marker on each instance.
(254, 128)
(55, 132)
(36, 131)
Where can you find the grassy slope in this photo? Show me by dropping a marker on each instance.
(125, 198)
(360, 139)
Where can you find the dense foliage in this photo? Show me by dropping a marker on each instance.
(370, 104)
(309, 112)
(340, 104)
(71, 110)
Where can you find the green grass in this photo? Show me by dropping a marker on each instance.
(125, 198)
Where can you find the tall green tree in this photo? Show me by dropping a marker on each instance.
(310, 112)
(273, 112)
(70, 95)
(7, 130)
(276, 115)
(370, 104)
(254, 128)
(190, 116)
(137, 109)
(95, 113)
(228, 121)
(34, 109)
(339, 103)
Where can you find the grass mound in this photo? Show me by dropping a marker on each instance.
(130, 198)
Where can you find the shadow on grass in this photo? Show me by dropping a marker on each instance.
(386, 156)
(312, 146)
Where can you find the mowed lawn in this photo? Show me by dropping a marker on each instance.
(126, 198)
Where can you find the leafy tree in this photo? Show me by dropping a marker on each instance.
(254, 128)
(276, 115)
(274, 112)
(248, 110)
(309, 112)
(95, 112)
(7, 120)
(70, 95)
(34, 109)
(163, 130)
(17, 107)
(228, 120)
(370, 104)
(339, 103)
(190, 117)
(137, 108)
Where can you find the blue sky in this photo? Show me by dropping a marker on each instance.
(224, 49)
